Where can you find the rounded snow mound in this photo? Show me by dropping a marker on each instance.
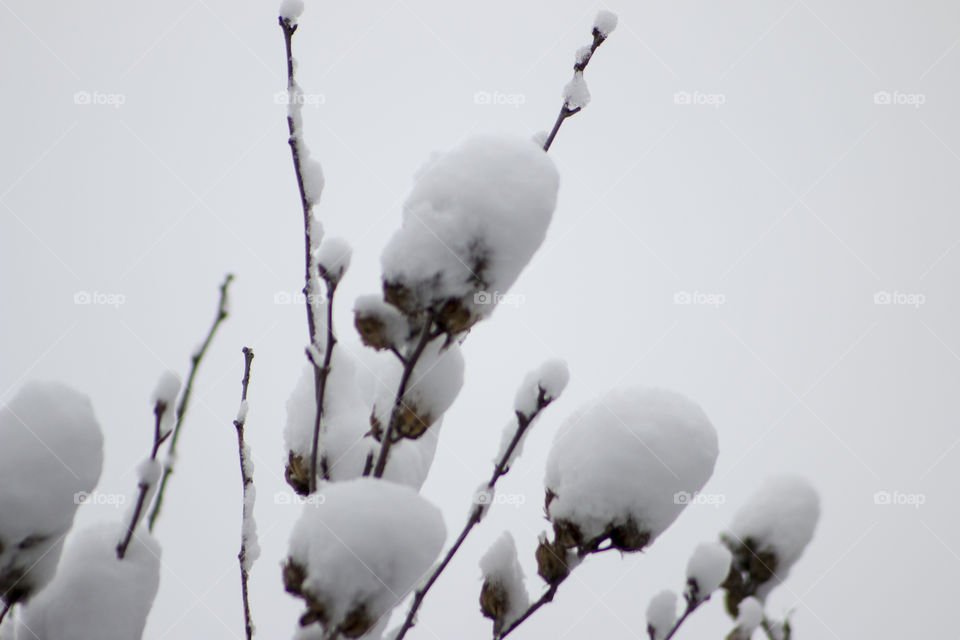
(358, 550)
(627, 464)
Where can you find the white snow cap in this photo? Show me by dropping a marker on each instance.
(50, 459)
(708, 567)
(552, 376)
(750, 616)
(168, 388)
(473, 220)
(501, 568)
(333, 258)
(313, 180)
(780, 517)
(628, 456)
(605, 22)
(662, 613)
(365, 545)
(576, 95)
(291, 9)
(96, 595)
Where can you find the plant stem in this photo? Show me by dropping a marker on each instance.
(578, 67)
(409, 364)
(144, 485)
(247, 476)
(195, 360)
(476, 514)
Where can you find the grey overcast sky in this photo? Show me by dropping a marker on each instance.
(792, 162)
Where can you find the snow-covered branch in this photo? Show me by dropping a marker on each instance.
(576, 96)
(149, 470)
(548, 383)
(223, 310)
(249, 547)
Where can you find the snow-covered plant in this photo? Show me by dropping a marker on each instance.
(51, 454)
(361, 436)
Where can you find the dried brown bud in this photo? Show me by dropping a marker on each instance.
(568, 534)
(409, 423)
(297, 474)
(628, 537)
(356, 623)
(373, 331)
(400, 297)
(293, 576)
(455, 316)
(552, 562)
(494, 603)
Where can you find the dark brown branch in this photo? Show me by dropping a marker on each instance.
(6, 609)
(247, 477)
(409, 364)
(476, 514)
(321, 390)
(297, 153)
(144, 485)
(195, 360)
(692, 604)
(578, 67)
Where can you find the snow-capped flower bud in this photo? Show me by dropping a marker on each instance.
(749, 618)
(333, 259)
(661, 614)
(379, 324)
(708, 567)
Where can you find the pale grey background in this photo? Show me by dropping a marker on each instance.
(796, 199)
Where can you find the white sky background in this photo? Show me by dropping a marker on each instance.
(796, 199)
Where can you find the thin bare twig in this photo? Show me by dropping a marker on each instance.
(6, 609)
(500, 469)
(578, 67)
(159, 409)
(246, 475)
(692, 605)
(409, 364)
(195, 359)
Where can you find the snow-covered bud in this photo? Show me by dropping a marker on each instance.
(576, 94)
(50, 459)
(472, 222)
(290, 10)
(333, 259)
(749, 618)
(165, 399)
(708, 567)
(503, 597)
(661, 614)
(379, 324)
(618, 465)
(340, 562)
(604, 23)
(768, 535)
